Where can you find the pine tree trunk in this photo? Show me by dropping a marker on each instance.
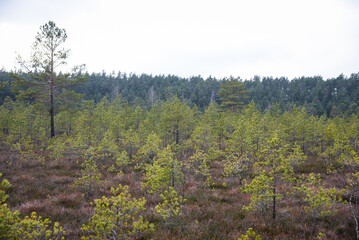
(274, 199)
(176, 134)
(173, 173)
(355, 213)
(315, 221)
(52, 116)
(52, 96)
(274, 204)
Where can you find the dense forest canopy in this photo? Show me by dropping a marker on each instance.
(330, 97)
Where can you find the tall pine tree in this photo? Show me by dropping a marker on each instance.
(37, 79)
(232, 93)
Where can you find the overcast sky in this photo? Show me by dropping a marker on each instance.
(221, 38)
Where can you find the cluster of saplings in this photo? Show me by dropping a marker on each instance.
(268, 158)
(178, 160)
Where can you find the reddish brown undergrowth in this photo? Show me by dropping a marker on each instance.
(213, 212)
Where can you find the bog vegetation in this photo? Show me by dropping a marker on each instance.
(182, 172)
(111, 168)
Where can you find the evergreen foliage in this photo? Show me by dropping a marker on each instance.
(117, 217)
(205, 155)
(232, 94)
(38, 80)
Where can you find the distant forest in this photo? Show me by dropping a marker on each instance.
(331, 97)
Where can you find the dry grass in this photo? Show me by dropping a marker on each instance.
(210, 212)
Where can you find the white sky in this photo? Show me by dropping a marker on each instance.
(221, 38)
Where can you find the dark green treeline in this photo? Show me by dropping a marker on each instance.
(330, 97)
